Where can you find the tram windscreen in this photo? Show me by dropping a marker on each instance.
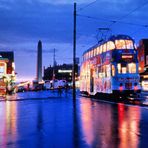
(124, 44)
(126, 68)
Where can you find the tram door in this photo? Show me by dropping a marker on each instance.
(91, 81)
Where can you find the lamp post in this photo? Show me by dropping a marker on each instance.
(74, 53)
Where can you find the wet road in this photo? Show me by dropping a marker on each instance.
(43, 119)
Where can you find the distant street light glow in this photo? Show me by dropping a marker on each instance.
(64, 71)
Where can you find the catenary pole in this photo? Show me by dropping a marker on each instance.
(74, 53)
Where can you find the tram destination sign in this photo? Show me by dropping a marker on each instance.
(127, 57)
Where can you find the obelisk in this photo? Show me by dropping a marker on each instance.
(39, 62)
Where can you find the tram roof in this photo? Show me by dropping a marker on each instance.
(111, 38)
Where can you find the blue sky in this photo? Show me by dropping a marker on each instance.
(23, 23)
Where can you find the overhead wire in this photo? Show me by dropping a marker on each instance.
(112, 21)
(134, 32)
(123, 17)
(139, 7)
(80, 9)
(115, 21)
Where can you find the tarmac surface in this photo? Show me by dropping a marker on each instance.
(45, 119)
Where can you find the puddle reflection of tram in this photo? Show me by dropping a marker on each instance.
(111, 68)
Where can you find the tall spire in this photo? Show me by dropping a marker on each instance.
(39, 61)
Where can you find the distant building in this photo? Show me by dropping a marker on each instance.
(61, 72)
(7, 72)
(143, 55)
(143, 61)
(7, 66)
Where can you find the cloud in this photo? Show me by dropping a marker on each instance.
(34, 20)
(65, 2)
(24, 22)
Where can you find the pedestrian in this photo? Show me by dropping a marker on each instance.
(60, 91)
(66, 89)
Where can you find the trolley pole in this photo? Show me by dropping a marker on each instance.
(74, 54)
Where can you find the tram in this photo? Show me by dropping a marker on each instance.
(110, 67)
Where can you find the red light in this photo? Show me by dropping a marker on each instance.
(135, 88)
(121, 88)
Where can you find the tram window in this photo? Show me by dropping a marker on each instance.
(92, 53)
(95, 52)
(119, 67)
(110, 45)
(124, 70)
(107, 70)
(89, 54)
(120, 44)
(100, 49)
(113, 70)
(132, 68)
(104, 71)
(104, 47)
(129, 44)
(86, 56)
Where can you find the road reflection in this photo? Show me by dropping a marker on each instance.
(106, 125)
(8, 114)
(59, 122)
(128, 119)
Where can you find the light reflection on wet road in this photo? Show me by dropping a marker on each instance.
(56, 122)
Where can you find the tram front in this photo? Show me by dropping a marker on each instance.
(125, 75)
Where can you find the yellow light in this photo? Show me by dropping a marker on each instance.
(13, 65)
(126, 56)
(146, 76)
(64, 71)
(139, 68)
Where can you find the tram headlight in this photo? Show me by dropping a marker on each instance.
(121, 87)
(135, 87)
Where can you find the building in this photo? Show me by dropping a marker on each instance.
(7, 66)
(143, 62)
(143, 55)
(7, 72)
(60, 72)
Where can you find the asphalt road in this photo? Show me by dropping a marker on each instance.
(46, 119)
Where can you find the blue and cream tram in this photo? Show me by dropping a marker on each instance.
(111, 67)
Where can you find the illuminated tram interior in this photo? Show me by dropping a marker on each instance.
(110, 67)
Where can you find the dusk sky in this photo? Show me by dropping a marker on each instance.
(24, 22)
